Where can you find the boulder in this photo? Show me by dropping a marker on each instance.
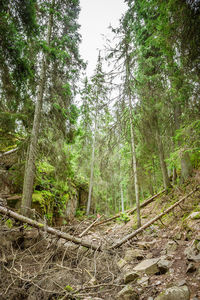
(148, 266)
(128, 293)
(132, 254)
(130, 276)
(175, 293)
(164, 265)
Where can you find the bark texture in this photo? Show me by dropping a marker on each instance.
(32, 149)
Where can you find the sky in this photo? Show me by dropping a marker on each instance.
(95, 18)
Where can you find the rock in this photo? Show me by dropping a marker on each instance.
(178, 236)
(121, 263)
(194, 215)
(175, 293)
(144, 281)
(148, 266)
(171, 247)
(191, 268)
(130, 276)
(146, 245)
(128, 293)
(132, 254)
(164, 265)
(181, 282)
(150, 298)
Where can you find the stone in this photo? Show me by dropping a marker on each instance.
(130, 276)
(182, 282)
(144, 281)
(132, 254)
(148, 266)
(191, 268)
(178, 236)
(171, 247)
(175, 293)
(146, 245)
(164, 265)
(150, 298)
(128, 293)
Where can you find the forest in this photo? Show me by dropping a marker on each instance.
(121, 135)
(75, 148)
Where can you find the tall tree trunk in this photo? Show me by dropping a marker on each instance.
(132, 138)
(32, 149)
(92, 167)
(165, 176)
(134, 165)
(122, 197)
(186, 166)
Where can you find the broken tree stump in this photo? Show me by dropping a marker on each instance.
(58, 233)
(136, 232)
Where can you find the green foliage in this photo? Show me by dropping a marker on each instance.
(124, 218)
(9, 223)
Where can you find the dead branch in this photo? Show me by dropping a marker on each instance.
(130, 211)
(58, 233)
(88, 228)
(133, 234)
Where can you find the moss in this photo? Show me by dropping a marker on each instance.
(38, 197)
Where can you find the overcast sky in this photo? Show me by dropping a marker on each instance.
(95, 17)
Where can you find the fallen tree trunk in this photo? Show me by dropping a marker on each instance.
(130, 211)
(136, 232)
(88, 228)
(58, 233)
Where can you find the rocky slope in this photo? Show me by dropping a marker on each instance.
(162, 263)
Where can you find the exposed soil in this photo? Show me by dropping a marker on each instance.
(36, 266)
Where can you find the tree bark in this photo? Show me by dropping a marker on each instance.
(165, 176)
(32, 149)
(134, 166)
(186, 166)
(122, 197)
(48, 229)
(92, 168)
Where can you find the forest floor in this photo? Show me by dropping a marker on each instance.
(35, 265)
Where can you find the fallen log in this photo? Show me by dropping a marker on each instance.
(88, 228)
(130, 211)
(136, 232)
(43, 227)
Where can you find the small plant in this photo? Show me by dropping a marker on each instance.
(68, 288)
(9, 223)
(124, 218)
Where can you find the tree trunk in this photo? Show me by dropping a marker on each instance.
(134, 165)
(32, 149)
(122, 197)
(186, 166)
(92, 168)
(165, 176)
(132, 139)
